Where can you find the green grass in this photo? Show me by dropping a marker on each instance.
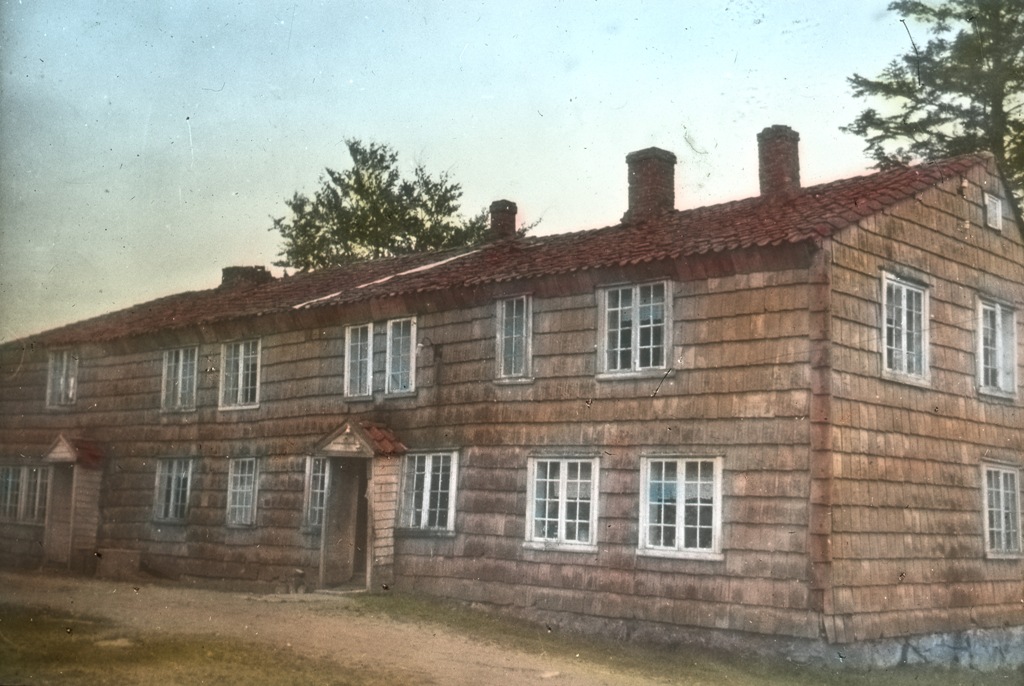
(42, 647)
(39, 647)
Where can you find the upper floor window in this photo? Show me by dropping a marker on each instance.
(993, 212)
(428, 491)
(173, 485)
(681, 506)
(513, 340)
(905, 335)
(242, 480)
(23, 493)
(635, 327)
(997, 348)
(179, 379)
(1002, 510)
(62, 383)
(359, 360)
(562, 502)
(401, 356)
(240, 374)
(394, 370)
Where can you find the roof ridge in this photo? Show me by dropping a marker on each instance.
(805, 215)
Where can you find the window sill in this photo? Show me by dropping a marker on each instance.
(514, 380)
(1011, 555)
(399, 394)
(412, 532)
(996, 395)
(17, 522)
(556, 547)
(908, 379)
(708, 556)
(238, 408)
(662, 373)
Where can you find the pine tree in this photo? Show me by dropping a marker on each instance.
(962, 92)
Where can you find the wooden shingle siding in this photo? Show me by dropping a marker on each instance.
(907, 520)
(739, 389)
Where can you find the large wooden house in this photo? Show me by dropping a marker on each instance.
(798, 415)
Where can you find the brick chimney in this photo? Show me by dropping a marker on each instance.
(651, 183)
(503, 220)
(779, 161)
(233, 277)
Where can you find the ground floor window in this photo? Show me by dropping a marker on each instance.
(681, 506)
(23, 491)
(316, 492)
(242, 479)
(173, 484)
(428, 491)
(562, 502)
(1002, 510)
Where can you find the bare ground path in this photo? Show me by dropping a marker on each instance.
(321, 626)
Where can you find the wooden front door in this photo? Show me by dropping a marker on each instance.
(59, 507)
(345, 526)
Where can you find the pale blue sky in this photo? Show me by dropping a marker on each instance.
(147, 145)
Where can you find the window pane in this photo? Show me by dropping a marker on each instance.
(172, 489)
(358, 368)
(10, 490)
(619, 321)
(651, 318)
(242, 491)
(229, 394)
(545, 517)
(316, 500)
(513, 337)
(440, 478)
(400, 356)
(249, 372)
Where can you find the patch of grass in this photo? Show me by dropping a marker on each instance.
(685, 664)
(40, 647)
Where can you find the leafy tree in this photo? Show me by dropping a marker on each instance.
(962, 92)
(370, 211)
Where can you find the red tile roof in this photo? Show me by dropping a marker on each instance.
(383, 439)
(809, 215)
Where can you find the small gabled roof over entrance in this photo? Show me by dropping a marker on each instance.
(360, 439)
(74, 451)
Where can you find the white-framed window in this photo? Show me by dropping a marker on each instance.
(1002, 510)
(173, 485)
(681, 506)
(240, 374)
(359, 360)
(997, 348)
(62, 380)
(243, 478)
(514, 339)
(23, 493)
(635, 327)
(179, 379)
(400, 373)
(317, 475)
(562, 503)
(905, 332)
(993, 212)
(428, 490)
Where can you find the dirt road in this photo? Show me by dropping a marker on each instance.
(320, 626)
